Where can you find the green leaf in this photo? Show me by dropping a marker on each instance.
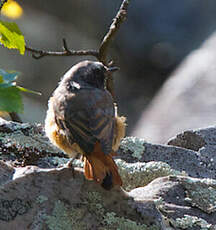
(1, 79)
(10, 96)
(7, 79)
(8, 76)
(7, 85)
(11, 100)
(11, 36)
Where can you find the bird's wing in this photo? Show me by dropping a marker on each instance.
(89, 118)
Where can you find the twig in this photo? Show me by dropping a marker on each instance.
(2, 3)
(37, 54)
(103, 50)
(117, 21)
(100, 54)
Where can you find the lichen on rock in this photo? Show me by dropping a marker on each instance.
(201, 193)
(65, 218)
(119, 223)
(40, 199)
(9, 209)
(110, 220)
(187, 222)
(140, 173)
(134, 145)
(24, 143)
(52, 198)
(24, 135)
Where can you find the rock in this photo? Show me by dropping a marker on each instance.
(201, 140)
(185, 202)
(25, 144)
(140, 173)
(166, 160)
(188, 140)
(6, 173)
(55, 199)
(37, 191)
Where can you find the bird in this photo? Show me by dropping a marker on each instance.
(82, 119)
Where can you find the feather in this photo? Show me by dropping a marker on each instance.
(101, 168)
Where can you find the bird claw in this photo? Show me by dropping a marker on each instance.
(69, 165)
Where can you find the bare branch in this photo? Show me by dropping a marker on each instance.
(103, 50)
(117, 21)
(2, 3)
(100, 54)
(37, 54)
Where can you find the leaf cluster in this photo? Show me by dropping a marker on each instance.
(11, 36)
(10, 97)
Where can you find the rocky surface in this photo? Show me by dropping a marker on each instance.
(165, 187)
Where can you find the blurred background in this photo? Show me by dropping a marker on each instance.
(165, 50)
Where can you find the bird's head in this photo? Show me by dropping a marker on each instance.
(89, 73)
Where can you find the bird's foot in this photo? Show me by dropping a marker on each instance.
(69, 165)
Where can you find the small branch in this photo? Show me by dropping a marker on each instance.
(114, 27)
(37, 54)
(103, 50)
(100, 54)
(2, 3)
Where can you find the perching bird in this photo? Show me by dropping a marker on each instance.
(82, 119)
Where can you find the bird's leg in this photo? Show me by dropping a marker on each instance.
(69, 165)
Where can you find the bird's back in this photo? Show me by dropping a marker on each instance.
(86, 115)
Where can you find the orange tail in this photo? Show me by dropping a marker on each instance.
(101, 168)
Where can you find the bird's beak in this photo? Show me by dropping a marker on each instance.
(112, 69)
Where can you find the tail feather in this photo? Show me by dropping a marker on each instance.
(88, 170)
(102, 168)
